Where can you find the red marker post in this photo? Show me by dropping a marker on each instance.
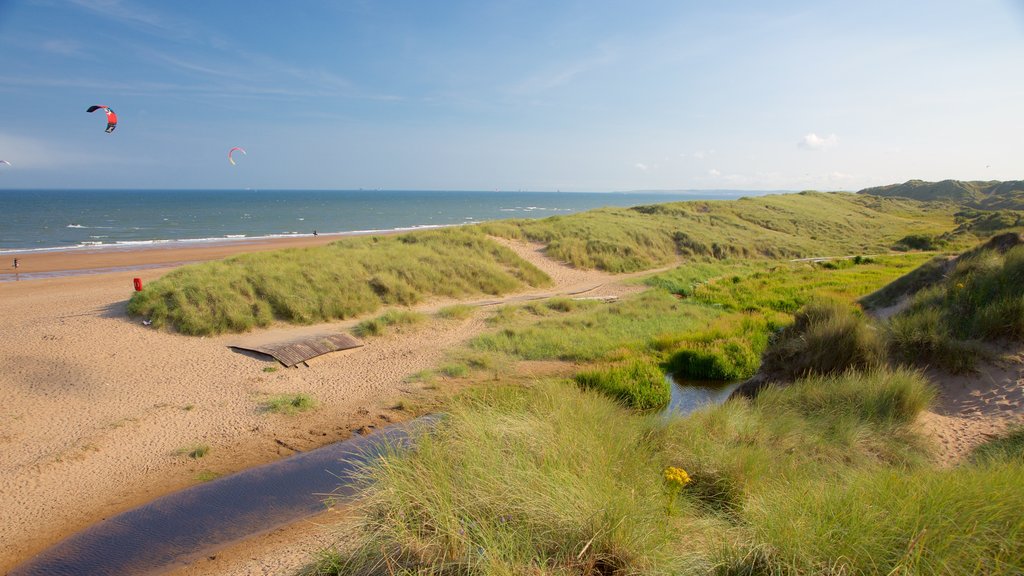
(138, 284)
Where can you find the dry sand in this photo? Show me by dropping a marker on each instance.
(974, 408)
(96, 406)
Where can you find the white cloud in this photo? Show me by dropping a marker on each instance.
(714, 172)
(641, 166)
(812, 141)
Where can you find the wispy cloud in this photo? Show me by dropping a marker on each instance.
(812, 141)
(641, 166)
(137, 17)
(564, 73)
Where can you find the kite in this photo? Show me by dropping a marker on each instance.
(232, 151)
(111, 117)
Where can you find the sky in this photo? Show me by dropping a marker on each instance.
(595, 95)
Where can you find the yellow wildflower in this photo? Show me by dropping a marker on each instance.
(675, 479)
(676, 476)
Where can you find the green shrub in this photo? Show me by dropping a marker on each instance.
(639, 384)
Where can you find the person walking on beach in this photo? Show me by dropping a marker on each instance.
(15, 263)
(314, 232)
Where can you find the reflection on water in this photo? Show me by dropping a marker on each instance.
(180, 527)
(690, 395)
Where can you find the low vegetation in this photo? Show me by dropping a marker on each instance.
(825, 338)
(289, 403)
(825, 476)
(638, 384)
(195, 451)
(392, 318)
(777, 226)
(980, 299)
(344, 279)
(456, 312)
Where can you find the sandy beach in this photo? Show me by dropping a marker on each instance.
(97, 406)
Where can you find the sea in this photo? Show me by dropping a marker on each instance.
(68, 220)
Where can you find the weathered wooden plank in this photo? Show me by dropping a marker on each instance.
(296, 351)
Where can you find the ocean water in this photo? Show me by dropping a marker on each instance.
(45, 220)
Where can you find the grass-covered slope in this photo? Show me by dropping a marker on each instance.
(981, 298)
(777, 226)
(355, 276)
(988, 195)
(341, 280)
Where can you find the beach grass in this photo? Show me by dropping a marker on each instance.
(637, 384)
(826, 337)
(195, 451)
(392, 318)
(553, 478)
(773, 226)
(592, 330)
(344, 279)
(289, 403)
(981, 299)
(456, 312)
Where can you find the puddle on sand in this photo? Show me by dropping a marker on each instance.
(690, 395)
(177, 528)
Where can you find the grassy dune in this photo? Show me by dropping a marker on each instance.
(779, 226)
(355, 276)
(980, 299)
(341, 280)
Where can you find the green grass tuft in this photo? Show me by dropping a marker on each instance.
(456, 312)
(289, 403)
(1008, 447)
(639, 385)
(378, 326)
(195, 451)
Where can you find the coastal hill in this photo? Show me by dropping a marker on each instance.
(985, 195)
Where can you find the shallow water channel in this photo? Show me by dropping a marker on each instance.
(177, 528)
(690, 395)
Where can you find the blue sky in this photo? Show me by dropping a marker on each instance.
(534, 95)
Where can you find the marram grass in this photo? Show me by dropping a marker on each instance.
(341, 280)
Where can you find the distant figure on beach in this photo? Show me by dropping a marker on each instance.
(15, 263)
(314, 232)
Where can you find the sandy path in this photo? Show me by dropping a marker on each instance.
(974, 408)
(96, 406)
